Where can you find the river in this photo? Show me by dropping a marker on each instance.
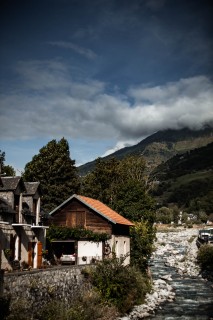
(185, 293)
(194, 295)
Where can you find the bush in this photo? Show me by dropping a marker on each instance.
(87, 306)
(20, 309)
(205, 256)
(122, 286)
(142, 235)
(4, 306)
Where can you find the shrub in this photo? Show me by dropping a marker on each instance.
(89, 305)
(142, 235)
(20, 309)
(4, 306)
(205, 256)
(122, 286)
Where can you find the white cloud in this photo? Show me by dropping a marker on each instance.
(49, 103)
(88, 53)
(121, 144)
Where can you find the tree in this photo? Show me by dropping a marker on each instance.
(6, 170)
(55, 171)
(132, 199)
(142, 238)
(9, 171)
(101, 183)
(164, 215)
(121, 184)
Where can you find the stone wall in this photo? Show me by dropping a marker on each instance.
(38, 287)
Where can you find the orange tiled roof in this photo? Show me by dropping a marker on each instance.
(104, 210)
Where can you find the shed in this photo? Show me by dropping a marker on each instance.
(83, 212)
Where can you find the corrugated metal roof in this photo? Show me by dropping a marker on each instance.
(98, 207)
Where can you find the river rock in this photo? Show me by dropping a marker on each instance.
(184, 262)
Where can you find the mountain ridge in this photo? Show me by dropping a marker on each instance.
(160, 146)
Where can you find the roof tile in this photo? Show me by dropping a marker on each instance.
(105, 210)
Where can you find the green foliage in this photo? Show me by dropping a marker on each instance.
(205, 256)
(86, 306)
(20, 309)
(164, 215)
(7, 170)
(64, 233)
(142, 235)
(120, 285)
(4, 306)
(55, 171)
(122, 186)
(101, 182)
(186, 180)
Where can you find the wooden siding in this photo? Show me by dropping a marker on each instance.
(76, 214)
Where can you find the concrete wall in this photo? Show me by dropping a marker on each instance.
(121, 245)
(39, 287)
(89, 250)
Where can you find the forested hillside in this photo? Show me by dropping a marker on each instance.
(186, 180)
(160, 146)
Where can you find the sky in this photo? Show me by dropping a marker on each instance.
(104, 74)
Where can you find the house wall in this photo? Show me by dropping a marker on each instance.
(18, 239)
(90, 250)
(8, 196)
(5, 231)
(121, 246)
(76, 214)
(29, 201)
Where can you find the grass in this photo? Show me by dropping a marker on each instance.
(185, 179)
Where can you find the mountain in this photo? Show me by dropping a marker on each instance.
(160, 146)
(186, 180)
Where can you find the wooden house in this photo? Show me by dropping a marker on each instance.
(21, 235)
(90, 214)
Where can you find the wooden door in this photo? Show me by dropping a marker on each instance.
(30, 254)
(39, 254)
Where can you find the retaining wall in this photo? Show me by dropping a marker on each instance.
(38, 287)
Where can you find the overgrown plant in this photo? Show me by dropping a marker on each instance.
(142, 237)
(121, 285)
(86, 306)
(4, 306)
(205, 256)
(64, 233)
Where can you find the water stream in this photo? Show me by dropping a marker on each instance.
(194, 296)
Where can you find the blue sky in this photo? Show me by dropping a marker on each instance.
(104, 74)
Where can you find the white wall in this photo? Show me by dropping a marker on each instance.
(89, 250)
(121, 245)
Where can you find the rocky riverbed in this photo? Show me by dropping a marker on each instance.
(176, 251)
